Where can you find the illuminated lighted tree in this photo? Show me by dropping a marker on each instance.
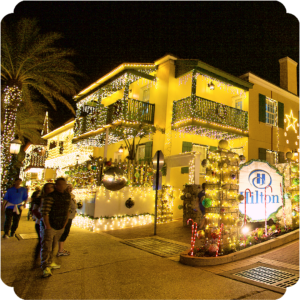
(129, 136)
(31, 64)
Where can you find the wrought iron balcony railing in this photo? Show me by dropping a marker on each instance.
(201, 109)
(131, 110)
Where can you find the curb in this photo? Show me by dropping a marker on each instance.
(254, 250)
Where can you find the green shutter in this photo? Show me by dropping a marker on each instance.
(280, 115)
(262, 154)
(262, 108)
(281, 159)
(148, 151)
(186, 147)
(213, 148)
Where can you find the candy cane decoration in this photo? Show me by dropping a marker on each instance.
(266, 231)
(245, 220)
(194, 233)
(282, 206)
(221, 228)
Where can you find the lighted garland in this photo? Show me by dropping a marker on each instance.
(196, 109)
(12, 99)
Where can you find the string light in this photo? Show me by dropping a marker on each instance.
(12, 99)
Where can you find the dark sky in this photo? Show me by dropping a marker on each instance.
(236, 37)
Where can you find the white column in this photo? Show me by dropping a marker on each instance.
(168, 176)
(106, 143)
(197, 168)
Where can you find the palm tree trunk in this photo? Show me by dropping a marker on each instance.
(12, 99)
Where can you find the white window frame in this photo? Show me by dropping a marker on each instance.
(205, 148)
(271, 112)
(269, 158)
(144, 89)
(238, 150)
(138, 152)
(118, 155)
(237, 99)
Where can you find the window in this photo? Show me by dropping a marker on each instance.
(271, 112)
(271, 157)
(146, 95)
(239, 151)
(117, 156)
(203, 154)
(140, 153)
(237, 102)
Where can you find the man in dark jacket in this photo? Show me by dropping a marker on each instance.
(55, 213)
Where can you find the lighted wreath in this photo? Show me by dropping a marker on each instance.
(220, 111)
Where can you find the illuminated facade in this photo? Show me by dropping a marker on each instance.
(195, 104)
(61, 153)
(274, 115)
(32, 171)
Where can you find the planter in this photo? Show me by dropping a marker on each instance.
(253, 250)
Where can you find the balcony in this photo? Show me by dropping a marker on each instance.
(127, 113)
(34, 161)
(208, 118)
(132, 111)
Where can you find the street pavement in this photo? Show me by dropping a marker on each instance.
(101, 267)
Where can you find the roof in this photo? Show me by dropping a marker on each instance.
(64, 127)
(185, 66)
(121, 69)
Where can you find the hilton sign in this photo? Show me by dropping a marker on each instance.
(256, 177)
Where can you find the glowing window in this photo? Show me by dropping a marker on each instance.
(271, 157)
(271, 112)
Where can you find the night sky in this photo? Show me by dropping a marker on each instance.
(236, 37)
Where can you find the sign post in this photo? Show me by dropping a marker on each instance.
(158, 162)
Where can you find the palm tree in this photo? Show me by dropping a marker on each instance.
(31, 64)
(29, 126)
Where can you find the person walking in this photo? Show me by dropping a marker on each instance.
(35, 194)
(55, 214)
(61, 250)
(13, 205)
(36, 205)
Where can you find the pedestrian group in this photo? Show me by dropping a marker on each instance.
(54, 208)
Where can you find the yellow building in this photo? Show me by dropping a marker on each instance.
(194, 103)
(274, 115)
(61, 153)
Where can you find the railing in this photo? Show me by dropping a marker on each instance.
(139, 173)
(126, 110)
(131, 110)
(210, 111)
(36, 162)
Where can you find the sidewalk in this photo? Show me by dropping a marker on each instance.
(100, 267)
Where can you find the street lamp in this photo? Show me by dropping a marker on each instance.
(15, 146)
(211, 86)
(121, 149)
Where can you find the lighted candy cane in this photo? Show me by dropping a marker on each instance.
(266, 232)
(282, 206)
(221, 228)
(194, 233)
(245, 220)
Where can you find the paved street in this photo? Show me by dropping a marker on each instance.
(101, 267)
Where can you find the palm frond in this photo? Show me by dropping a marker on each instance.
(32, 61)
